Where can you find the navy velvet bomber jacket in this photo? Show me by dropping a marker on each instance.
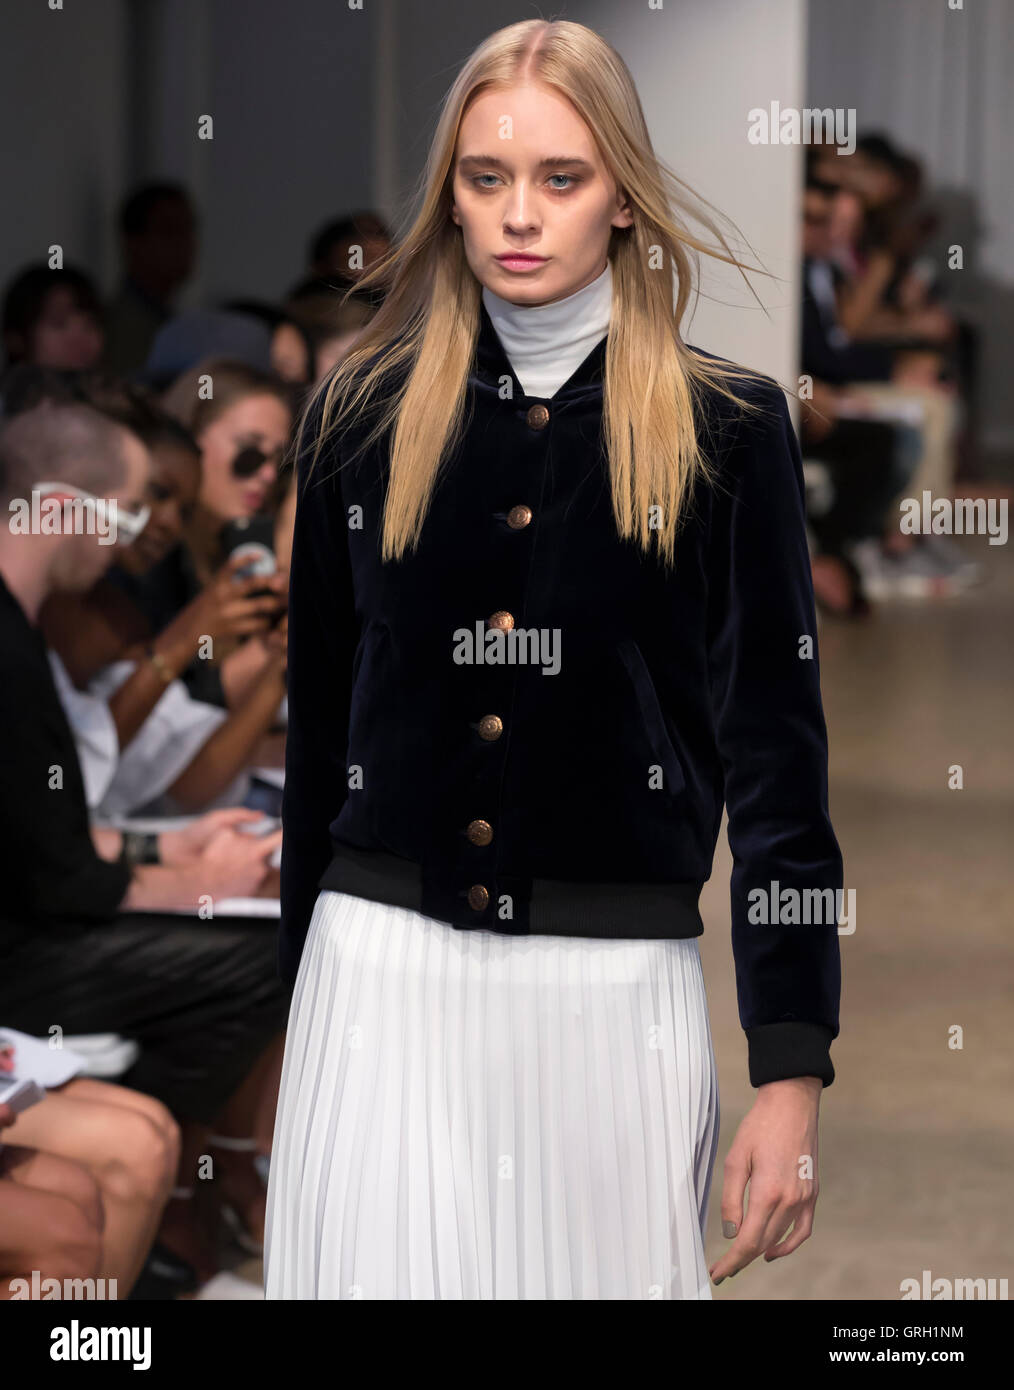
(530, 726)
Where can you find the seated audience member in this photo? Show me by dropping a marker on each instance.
(51, 1216)
(161, 751)
(53, 318)
(127, 1142)
(870, 463)
(158, 242)
(332, 323)
(93, 934)
(876, 381)
(243, 434)
(291, 345)
(344, 249)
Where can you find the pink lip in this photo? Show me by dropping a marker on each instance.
(519, 261)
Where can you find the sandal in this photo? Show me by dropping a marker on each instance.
(230, 1213)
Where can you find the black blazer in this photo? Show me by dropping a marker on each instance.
(585, 802)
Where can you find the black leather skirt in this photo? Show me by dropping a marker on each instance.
(203, 999)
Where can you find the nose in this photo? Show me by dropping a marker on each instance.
(519, 216)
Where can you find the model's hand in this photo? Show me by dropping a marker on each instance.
(775, 1151)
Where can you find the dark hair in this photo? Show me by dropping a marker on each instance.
(364, 223)
(137, 206)
(272, 315)
(137, 407)
(817, 185)
(25, 298)
(881, 150)
(25, 385)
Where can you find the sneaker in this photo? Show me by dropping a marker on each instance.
(877, 569)
(953, 561)
(919, 575)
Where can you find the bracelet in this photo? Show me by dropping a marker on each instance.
(140, 847)
(160, 664)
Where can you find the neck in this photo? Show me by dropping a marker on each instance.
(25, 570)
(545, 343)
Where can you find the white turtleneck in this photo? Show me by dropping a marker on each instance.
(546, 343)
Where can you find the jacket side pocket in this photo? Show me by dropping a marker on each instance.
(653, 725)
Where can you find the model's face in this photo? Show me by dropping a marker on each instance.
(260, 422)
(532, 196)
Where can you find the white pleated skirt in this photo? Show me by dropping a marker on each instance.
(469, 1115)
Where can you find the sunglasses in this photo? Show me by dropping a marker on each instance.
(248, 461)
(109, 515)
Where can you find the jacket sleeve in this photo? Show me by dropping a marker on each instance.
(771, 736)
(323, 633)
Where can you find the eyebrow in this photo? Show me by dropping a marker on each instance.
(485, 161)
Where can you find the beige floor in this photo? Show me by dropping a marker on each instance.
(915, 1138)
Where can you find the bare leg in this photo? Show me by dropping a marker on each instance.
(130, 1146)
(51, 1219)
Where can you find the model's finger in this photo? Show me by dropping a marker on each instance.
(801, 1231)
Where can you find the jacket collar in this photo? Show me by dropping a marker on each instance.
(491, 363)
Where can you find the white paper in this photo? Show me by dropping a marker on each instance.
(35, 1060)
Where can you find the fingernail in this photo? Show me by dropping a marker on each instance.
(718, 1281)
(729, 1229)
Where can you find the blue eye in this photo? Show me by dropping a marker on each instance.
(571, 179)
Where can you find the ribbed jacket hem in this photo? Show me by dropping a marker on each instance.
(550, 907)
(779, 1051)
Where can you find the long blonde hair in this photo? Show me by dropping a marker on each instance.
(429, 320)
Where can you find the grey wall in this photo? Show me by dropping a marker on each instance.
(64, 151)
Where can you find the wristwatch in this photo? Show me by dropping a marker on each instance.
(139, 847)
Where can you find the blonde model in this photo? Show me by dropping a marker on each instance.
(550, 609)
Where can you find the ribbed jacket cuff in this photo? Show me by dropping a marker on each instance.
(778, 1051)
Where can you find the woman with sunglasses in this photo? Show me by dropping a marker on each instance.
(241, 420)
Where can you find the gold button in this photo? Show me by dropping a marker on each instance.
(538, 417)
(518, 517)
(478, 896)
(490, 727)
(480, 832)
(502, 620)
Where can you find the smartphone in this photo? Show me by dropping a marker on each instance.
(19, 1095)
(254, 538)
